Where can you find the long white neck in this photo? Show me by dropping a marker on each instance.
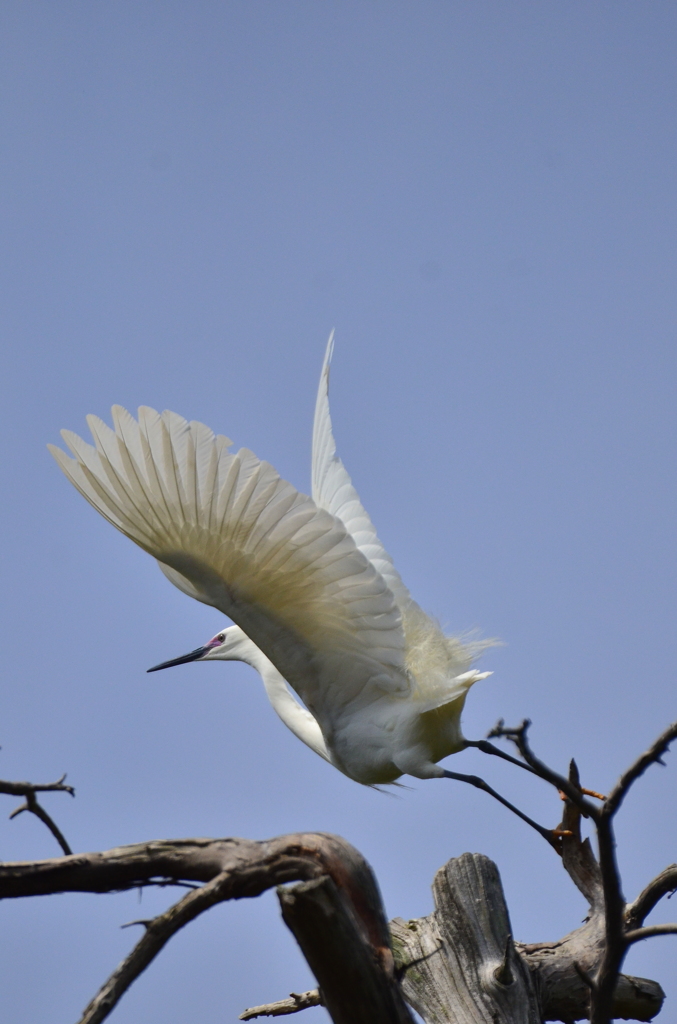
(294, 716)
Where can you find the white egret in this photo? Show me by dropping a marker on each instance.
(317, 601)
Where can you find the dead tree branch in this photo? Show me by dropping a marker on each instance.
(157, 933)
(654, 755)
(452, 962)
(519, 737)
(340, 955)
(648, 933)
(28, 790)
(461, 956)
(602, 885)
(660, 886)
(297, 1001)
(228, 869)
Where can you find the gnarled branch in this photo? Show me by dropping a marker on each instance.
(229, 869)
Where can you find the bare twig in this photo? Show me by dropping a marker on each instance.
(637, 934)
(28, 790)
(614, 907)
(651, 756)
(23, 788)
(658, 887)
(619, 932)
(297, 1001)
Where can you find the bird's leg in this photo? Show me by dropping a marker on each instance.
(489, 748)
(551, 836)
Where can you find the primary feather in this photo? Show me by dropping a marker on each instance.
(432, 659)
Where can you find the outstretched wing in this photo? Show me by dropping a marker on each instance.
(236, 536)
(333, 490)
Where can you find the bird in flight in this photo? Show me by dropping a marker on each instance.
(319, 609)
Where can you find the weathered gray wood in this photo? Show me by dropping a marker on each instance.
(452, 962)
(357, 980)
(459, 964)
(454, 965)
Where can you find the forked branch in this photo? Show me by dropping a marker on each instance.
(28, 791)
(621, 924)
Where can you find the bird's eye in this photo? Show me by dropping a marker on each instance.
(221, 637)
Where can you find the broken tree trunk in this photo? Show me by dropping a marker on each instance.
(459, 965)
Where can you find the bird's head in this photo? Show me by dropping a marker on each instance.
(225, 646)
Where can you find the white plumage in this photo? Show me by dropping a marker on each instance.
(316, 599)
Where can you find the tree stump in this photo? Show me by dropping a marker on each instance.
(460, 965)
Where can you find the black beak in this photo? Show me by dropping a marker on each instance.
(183, 660)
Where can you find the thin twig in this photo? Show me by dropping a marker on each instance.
(657, 888)
(637, 934)
(28, 790)
(297, 1001)
(22, 788)
(651, 756)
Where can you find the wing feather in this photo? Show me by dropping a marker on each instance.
(227, 530)
(333, 490)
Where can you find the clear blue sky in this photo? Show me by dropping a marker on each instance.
(480, 198)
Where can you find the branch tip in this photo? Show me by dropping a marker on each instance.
(297, 1001)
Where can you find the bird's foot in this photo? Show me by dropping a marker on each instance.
(585, 792)
(591, 792)
(559, 832)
